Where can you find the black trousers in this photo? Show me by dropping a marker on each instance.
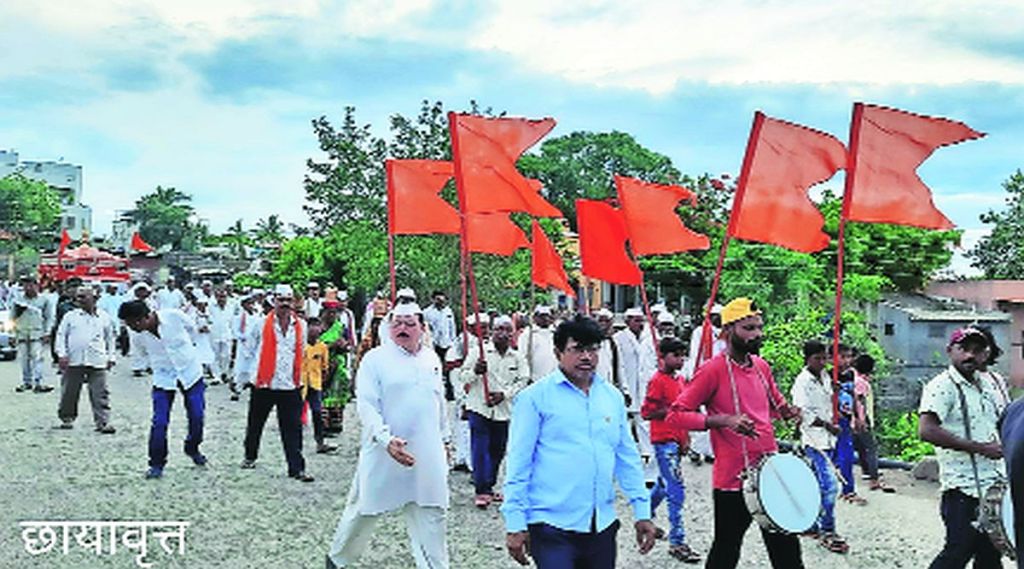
(963, 542)
(867, 450)
(555, 548)
(731, 522)
(289, 421)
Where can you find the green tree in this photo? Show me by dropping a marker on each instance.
(164, 218)
(29, 209)
(269, 231)
(237, 239)
(1000, 254)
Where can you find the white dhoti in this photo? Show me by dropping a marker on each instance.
(462, 453)
(425, 525)
(643, 442)
(222, 357)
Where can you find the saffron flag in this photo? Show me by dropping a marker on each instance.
(65, 240)
(783, 161)
(546, 268)
(886, 147)
(415, 206)
(650, 214)
(139, 245)
(485, 151)
(493, 233)
(603, 238)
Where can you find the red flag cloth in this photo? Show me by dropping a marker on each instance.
(886, 147)
(139, 245)
(603, 244)
(65, 240)
(546, 268)
(650, 214)
(415, 206)
(493, 233)
(485, 151)
(783, 161)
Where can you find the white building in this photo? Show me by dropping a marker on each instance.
(66, 178)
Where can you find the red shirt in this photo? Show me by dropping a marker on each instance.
(662, 390)
(710, 387)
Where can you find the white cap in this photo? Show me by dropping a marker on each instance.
(716, 309)
(140, 285)
(634, 312)
(471, 319)
(666, 318)
(659, 307)
(207, 283)
(313, 284)
(201, 299)
(406, 309)
(342, 295)
(503, 319)
(406, 293)
(542, 309)
(284, 290)
(190, 285)
(604, 313)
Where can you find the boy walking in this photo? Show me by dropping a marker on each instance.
(669, 444)
(315, 358)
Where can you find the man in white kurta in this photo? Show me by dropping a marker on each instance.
(221, 314)
(537, 343)
(402, 462)
(635, 348)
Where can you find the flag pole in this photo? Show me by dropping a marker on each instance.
(389, 171)
(704, 353)
(650, 319)
(467, 256)
(851, 168)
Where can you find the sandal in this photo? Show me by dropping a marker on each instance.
(482, 501)
(683, 553)
(854, 499)
(879, 485)
(832, 542)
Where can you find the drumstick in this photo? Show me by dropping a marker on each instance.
(785, 488)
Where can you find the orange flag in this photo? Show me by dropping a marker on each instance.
(139, 245)
(485, 151)
(783, 161)
(603, 237)
(650, 214)
(493, 233)
(886, 147)
(546, 268)
(65, 240)
(414, 204)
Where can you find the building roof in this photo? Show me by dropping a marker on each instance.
(923, 308)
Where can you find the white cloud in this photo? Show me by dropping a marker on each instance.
(656, 44)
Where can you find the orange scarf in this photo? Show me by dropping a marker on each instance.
(268, 353)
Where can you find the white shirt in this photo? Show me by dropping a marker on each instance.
(648, 361)
(506, 373)
(86, 339)
(629, 366)
(814, 397)
(718, 346)
(220, 322)
(166, 298)
(284, 363)
(401, 395)
(36, 318)
(312, 307)
(606, 361)
(538, 347)
(173, 355)
(110, 303)
(441, 322)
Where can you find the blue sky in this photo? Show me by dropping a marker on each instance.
(215, 98)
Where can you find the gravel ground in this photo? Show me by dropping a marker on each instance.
(260, 519)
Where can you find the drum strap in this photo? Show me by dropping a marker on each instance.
(736, 408)
(967, 432)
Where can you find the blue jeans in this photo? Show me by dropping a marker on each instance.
(487, 446)
(670, 485)
(842, 456)
(828, 485)
(195, 408)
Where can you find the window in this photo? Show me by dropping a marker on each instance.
(890, 329)
(70, 222)
(936, 330)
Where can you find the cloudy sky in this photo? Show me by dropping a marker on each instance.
(215, 97)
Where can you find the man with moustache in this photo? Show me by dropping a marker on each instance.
(959, 412)
(402, 463)
(569, 441)
(738, 372)
(85, 350)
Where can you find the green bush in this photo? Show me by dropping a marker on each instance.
(897, 437)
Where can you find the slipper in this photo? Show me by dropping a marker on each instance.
(684, 553)
(832, 542)
(482, 501)
(853, 498)
(878, 485)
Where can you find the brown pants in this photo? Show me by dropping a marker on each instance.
(71, 388)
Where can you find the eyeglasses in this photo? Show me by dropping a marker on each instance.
(589, 349)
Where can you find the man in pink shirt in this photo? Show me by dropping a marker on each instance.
(741, 398)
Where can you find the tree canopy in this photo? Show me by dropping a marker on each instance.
(1000, 254)
(165, 218)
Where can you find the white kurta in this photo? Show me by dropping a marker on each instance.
(538, 347)
(629, 366)
(401, 395)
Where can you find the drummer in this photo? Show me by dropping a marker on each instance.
(968, 452)
(739, 437)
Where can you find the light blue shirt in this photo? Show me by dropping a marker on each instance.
(565, 449)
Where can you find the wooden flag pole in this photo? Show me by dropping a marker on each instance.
(650, 321)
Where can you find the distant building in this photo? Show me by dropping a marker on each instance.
(1005, 296)
(122, 229)
(76, 217)
(914, 330)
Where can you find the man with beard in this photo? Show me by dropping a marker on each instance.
(739, 436)
(958, 414)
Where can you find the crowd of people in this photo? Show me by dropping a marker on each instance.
(572, 404)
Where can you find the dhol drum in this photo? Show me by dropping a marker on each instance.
(781, 492)
(996, 519)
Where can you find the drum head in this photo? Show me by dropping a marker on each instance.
(789, 492)
(1007, 514)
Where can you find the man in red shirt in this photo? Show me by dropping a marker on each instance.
(742, 398)
(669, 444)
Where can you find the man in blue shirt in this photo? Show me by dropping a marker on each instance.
(569, 438)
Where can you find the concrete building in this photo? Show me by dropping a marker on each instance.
(122, 229)
(66, 178)
(1004, 296)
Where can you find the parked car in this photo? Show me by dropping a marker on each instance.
(8, 351)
